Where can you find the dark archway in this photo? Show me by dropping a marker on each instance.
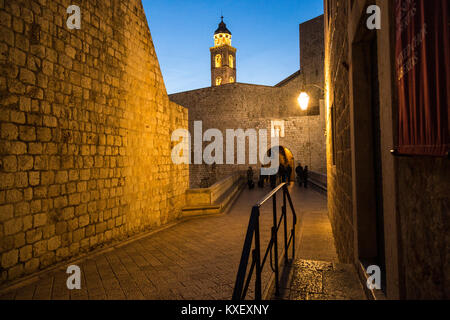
(286, 158)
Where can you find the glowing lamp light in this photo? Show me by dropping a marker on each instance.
(303, 100)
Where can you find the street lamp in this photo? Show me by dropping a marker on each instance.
(303, 100)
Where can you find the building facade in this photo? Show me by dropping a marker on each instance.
(249, 106)
(389, 207)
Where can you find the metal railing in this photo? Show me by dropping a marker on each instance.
(253, 239)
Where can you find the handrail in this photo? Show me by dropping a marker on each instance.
(269, 195)
(252, 238)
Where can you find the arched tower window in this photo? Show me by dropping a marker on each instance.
(218, 60)
(231, 79)
(231, 61)
(218, 81)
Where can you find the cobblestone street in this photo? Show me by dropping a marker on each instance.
(317, 274)
(195, 259)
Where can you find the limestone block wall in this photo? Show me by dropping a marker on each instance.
(247, 106)
(416, 201)
(339, 169)
(312, 50)
(244, 106)
(423, 208)
(85, 126)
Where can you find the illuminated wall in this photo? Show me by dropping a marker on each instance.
(85, 159)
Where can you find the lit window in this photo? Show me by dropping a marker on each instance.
(218, 81)
(222, 39)
(231, 61)
(218, 60)
(231, 79)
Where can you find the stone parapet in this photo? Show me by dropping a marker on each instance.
(214, 199)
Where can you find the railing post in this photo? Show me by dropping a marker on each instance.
(253, 233)
(286, 258)
(240, 278)
(275, 244)
(258, 289)
(294, 222)
(275, 249)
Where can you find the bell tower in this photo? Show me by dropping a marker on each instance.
(223, 57)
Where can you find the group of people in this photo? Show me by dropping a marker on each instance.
(284, 175)
(302, 175)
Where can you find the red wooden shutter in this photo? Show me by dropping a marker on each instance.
(423, 76)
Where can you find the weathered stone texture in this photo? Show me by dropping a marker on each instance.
(424, 207)
(339, 170)
(418, 208)
(244, 106)
(312, 50)
(247, 106)
(85, 127)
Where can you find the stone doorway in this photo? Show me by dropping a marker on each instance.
(367, 165)
(286, 158)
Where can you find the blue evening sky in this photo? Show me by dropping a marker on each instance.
(265, 34)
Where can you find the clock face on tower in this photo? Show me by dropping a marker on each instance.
(223, 57)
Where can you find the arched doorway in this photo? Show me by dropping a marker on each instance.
(286, 158)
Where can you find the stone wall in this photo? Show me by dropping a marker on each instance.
(423, 208)
(243, 106)
(312, 50)
(85, 127)
(415, 198)
(339, 169)
(247, 106)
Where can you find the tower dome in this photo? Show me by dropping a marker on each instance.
(222, 28)
(222, 35)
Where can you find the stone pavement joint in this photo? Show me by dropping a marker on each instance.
(319, 280)
(316, 274)
(195, 259)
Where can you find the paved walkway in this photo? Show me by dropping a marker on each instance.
(196, 259)
(317, 274)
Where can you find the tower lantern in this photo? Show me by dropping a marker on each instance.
(223, 57)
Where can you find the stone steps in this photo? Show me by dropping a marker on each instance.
(321, 280)
(227, 194)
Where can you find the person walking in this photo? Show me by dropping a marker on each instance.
(273, 179)
(289, 173)
(282, 173)
(262, 178)
(250, 182)
(299, 172)
(305, 177)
